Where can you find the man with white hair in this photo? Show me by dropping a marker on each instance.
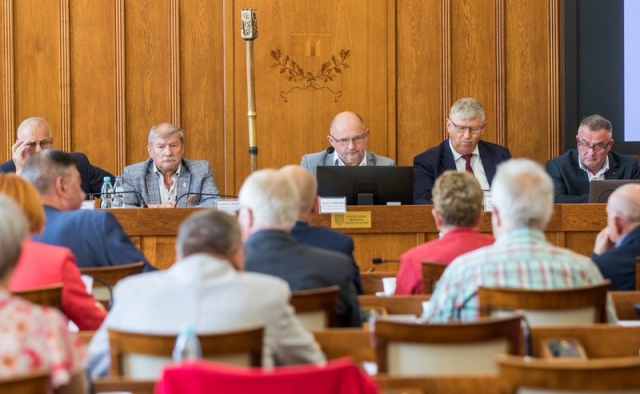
(521, 257)
(618, 244)
(269, 203)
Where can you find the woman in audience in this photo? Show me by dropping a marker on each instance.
(41, 264)
(32, 338)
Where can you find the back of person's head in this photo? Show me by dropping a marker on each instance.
(523, 194)
(272, 198)
(467, 108)
(43, 168)
(13, 231)
(596, 122)
(624, 203)
(457, 197)
(164, 130)
(28, 125)
(26, 196)
(212, 232)
(306, 184)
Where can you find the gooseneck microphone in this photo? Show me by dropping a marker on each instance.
(218, 195)
(330, 150)
(380, 260)
(137, 193)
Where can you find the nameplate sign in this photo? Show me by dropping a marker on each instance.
(228, 206)
(333, 205)
(351, 220)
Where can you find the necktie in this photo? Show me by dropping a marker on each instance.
(467, 165)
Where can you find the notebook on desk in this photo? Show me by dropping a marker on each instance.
(599, 191)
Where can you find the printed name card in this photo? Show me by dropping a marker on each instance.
(358, 219)
(228, 206)
(333, 204)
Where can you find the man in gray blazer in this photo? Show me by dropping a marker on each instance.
(166, 180)
(208, 290)
(348, 137)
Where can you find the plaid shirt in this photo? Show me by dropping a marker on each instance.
(520, 258)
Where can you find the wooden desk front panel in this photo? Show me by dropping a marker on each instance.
(393, 230)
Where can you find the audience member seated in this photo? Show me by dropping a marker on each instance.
(319, 236)
(457, 211)
(618, 244)
(33, 337)
(208, 290)
(593, 159)
(463, 151)
(521, 257)
(41, 264)
(166, 176)
(34, 135)
(269, 206)
(348, 137)
(94, 236)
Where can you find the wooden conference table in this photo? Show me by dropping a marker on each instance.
(390, 231)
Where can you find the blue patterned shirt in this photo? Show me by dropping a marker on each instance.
(520, 258)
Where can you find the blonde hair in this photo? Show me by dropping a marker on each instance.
(457, 197)
(27, 197)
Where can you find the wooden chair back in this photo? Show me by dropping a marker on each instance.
(440, 384)
(345, 342)
(624, 302)
(553, 307)
(316, 308)
(105, 278)
(637, 272)
(395, 305)
(431, 273)
(532, 375)
(32, 383)
(453, 348)
(372, 281)
(142, 356)
(50, 295)
(123, 385)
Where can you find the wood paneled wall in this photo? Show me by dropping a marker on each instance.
(103, 71)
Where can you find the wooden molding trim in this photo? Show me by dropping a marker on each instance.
(445, 92)
(174, 20)
(501, 83)
(65, 77)
(8, 76)
(392, 78)
(555, 75)
(121, 112)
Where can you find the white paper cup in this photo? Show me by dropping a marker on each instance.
(389, 286)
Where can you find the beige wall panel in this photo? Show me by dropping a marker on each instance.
(148, 72)
(37, 63)
(202, 89)
(533, 110)
(420, 77)
(294, 116)
(473, 57)
(92, 36)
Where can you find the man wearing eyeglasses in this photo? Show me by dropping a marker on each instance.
(34, 135)
(348, 137)
(462, 151)
(593, 159)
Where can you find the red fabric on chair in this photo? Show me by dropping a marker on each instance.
(339, 376)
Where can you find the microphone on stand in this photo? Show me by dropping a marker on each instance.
(330, 150)
(380, 260)
(192, 200)
(137, 193)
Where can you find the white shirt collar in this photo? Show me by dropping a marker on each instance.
(338, 162)
(598, 175)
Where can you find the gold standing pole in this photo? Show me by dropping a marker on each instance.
(249, 33)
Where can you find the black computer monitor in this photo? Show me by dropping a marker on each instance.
(600, 190)
(367, 185)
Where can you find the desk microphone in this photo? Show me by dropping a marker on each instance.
(330, 150)
(137, 193)
(380, 260)
(200, 195)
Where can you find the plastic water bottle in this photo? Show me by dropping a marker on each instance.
(105, 193)
(187, 345)
(118, 196)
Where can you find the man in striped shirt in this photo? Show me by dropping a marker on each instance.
(521, 257)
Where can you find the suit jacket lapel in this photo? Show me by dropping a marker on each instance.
(150, 188)
(612, 173)
(446, 158)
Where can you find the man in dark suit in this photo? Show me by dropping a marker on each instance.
(319, 236)
(593, 159)
(618, 244)
(94, 236)
(34, 135)
(268, 210)
(463, 151)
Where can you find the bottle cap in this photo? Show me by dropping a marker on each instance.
(118, 178)
(107, 179)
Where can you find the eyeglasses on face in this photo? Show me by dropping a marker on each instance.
(596, 148)
(463, 129)
(44, 144)
(355, 140)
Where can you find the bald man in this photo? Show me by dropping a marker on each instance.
(318, 236)
(348, 137)
(34, 135)
(618, 244)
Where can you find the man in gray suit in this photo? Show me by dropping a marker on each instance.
(348, 137)
(166, 180)
(208, 290)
